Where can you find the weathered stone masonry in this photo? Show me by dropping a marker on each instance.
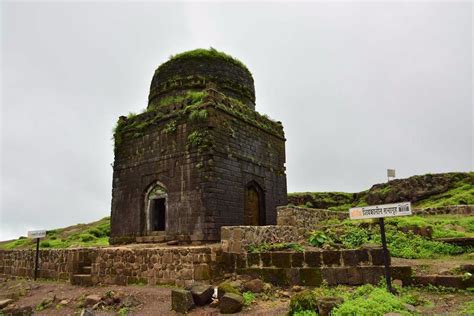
(185, 168)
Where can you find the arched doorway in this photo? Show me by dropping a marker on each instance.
(155, 209)
(254, 205)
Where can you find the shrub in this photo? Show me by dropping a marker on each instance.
(303, 301)
(318, 238)
(367, 300)
(86, 237)
(249, 298)
(45, 244)
(305, 313)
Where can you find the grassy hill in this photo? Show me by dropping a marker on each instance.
(80, 235)
(430, 190)
(423, 191)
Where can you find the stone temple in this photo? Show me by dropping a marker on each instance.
(200, 156)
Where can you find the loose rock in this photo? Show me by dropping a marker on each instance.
(231, 303)
(255, 285)
(327, 304)
(92, 299)
(202, 293)
(181, 301)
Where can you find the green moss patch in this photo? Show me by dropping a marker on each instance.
(208, 53)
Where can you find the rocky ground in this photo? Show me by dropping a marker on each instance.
(60, 298)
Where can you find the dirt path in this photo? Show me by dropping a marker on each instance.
(155, 300)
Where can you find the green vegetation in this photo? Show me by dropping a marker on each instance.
(402, 242)
(95, 234)
(362, 300)
(226, 287)
(303, 302)
(249, 298)
(208, 53)
(264, 247)
(425, 191)
(461, 194)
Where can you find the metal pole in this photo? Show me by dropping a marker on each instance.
(386, 258)
(37, 257)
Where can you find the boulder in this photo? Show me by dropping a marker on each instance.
(255, 286)
(181, 301)
(231, 303)
(327, 304)
(202, 293)
(467, 268)
(92, 299)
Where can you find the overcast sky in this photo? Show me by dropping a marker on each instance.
(359, 87)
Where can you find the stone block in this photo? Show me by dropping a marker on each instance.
(377, 257)
(266, 258)
(253, 259)
(202, 272)
(231, 303)
(353, 276)
(310, 276)
(181, 301)
(297, 259)
(331, 257)
(313, 259)
(281, 259)
(202, 294)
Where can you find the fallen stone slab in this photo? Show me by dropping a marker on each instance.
(231, 303)
(93, 299)
(4, 303)
(202, 294)
(181, 301)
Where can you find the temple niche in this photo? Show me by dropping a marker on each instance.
(200, 156)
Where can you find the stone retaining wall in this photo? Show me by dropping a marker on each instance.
(451, 210)
(168, 265)
(309, 218)
(235, 239)
(311, 268)
(53, 263)
(306, 218)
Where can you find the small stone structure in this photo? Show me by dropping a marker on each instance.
(199, 158)
(237, 238)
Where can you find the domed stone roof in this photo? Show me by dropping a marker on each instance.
(197, 69)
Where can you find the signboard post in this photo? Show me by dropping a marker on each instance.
(36, 234)
(380, 212)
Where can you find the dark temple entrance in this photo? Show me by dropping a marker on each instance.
(155, 209)
(158, 213)
(254, 208)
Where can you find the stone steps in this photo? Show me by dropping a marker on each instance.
(81, 279)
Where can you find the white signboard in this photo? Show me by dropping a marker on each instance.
(377, 211)
(391, 173)
(37, 233)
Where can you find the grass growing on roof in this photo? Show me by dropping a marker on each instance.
(208, 53)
